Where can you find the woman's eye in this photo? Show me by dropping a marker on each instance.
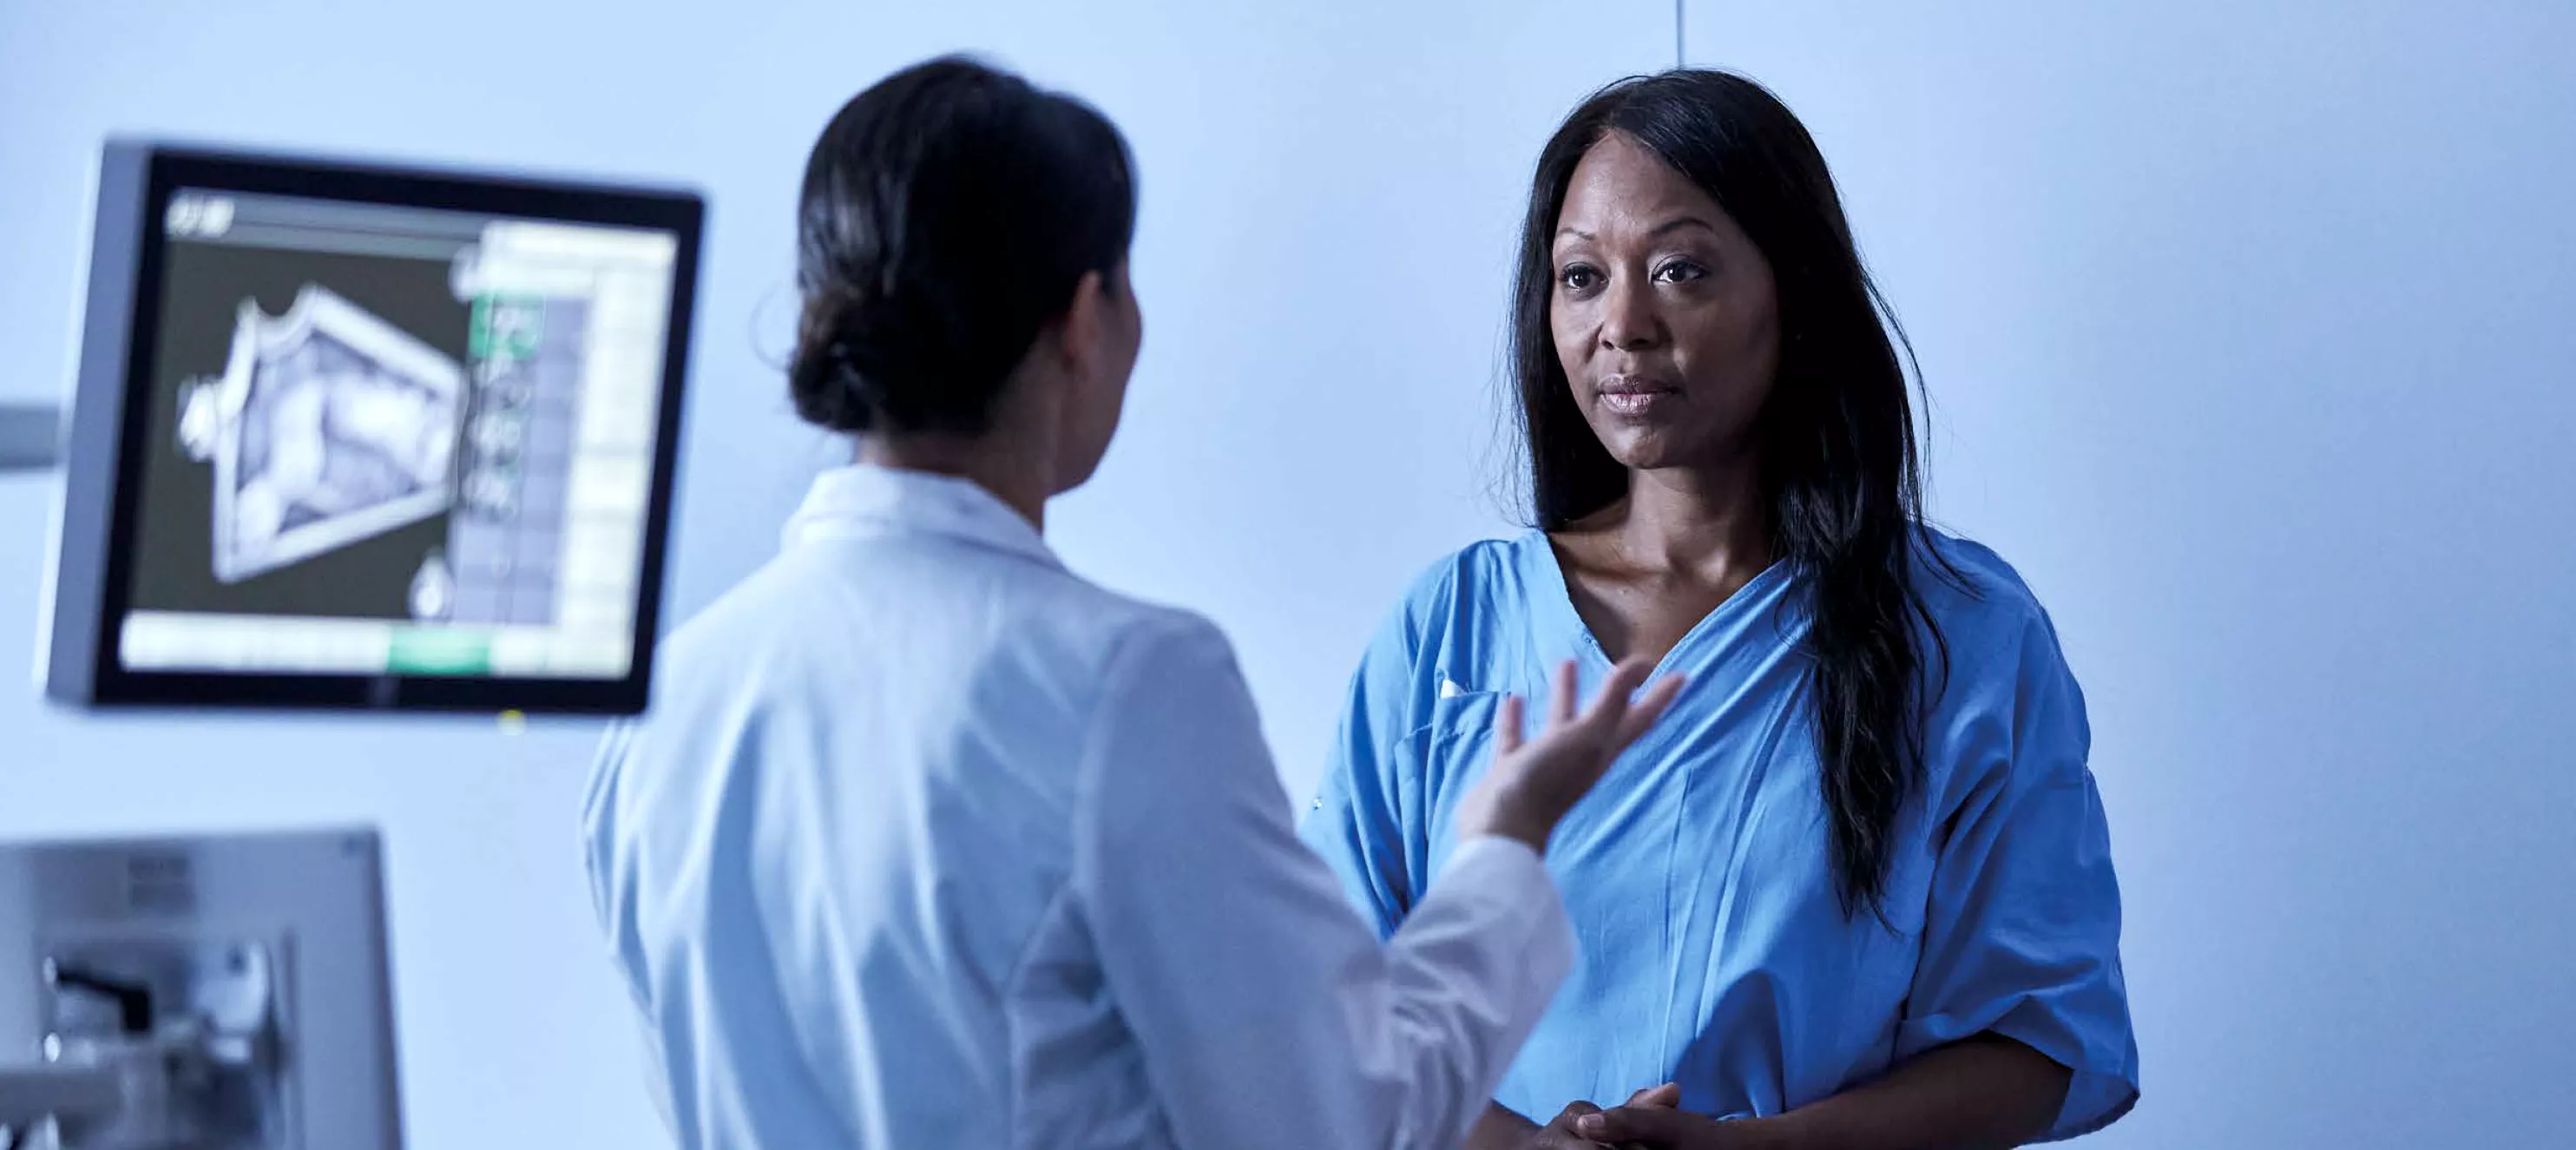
(1577, 277)
(1680, 271)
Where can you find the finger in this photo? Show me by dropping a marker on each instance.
(1611, 703)
(1659, 1124)
(1574, 1110)
(1669, 1094)
(1507, 725)
(1642, 715)
(1562, 699)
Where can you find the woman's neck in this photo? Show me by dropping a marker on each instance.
(1712, 523)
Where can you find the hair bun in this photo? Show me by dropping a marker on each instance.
(894, 338)
(949, 213)
(830, 390)
(865, 360)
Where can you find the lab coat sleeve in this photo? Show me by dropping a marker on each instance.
(1270, 1017)
(1358, 819)
(2023, 933)
(613, 901)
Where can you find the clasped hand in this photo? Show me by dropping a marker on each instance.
(1651, 1118)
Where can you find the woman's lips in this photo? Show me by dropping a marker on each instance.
(1634, 398)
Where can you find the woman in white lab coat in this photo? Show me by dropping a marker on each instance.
(929, 842)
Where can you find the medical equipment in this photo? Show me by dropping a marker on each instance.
(352, 436)
(223, 992)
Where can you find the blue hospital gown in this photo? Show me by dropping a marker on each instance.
(1715, 953)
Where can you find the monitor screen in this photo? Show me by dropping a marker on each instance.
(385, 441)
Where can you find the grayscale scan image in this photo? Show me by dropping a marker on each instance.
(386, 433)
(330, 426)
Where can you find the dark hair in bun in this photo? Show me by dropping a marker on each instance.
(948, 213)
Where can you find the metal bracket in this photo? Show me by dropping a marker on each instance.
(32, 1094)
(31, 437)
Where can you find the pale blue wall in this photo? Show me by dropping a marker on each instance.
(2252, 331)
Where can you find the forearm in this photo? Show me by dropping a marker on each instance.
(1266, 1013)
(1985, 1093)
(1500, 1128)
(1288, 1006)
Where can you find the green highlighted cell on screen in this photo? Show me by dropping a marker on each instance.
(440, 652)
(506, 327)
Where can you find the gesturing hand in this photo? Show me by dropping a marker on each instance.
(1531, 785)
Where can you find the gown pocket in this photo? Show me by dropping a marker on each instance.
(1447, 754)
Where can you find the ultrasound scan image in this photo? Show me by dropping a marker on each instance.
(329, 426)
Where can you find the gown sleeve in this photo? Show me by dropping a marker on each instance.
(1365, 819)
(2023, 933)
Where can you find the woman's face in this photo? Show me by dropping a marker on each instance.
(1663, 312)
(1103, 332)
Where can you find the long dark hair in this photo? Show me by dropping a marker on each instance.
(948, 213)
(1838, 467)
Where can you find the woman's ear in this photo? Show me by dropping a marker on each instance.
(1084, 335)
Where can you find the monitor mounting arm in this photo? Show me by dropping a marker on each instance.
(31, 437)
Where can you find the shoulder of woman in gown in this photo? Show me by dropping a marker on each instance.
(1471, 578)
(1998, 666)
(1974, 594)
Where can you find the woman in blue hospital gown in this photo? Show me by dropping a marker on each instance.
(1857, 889)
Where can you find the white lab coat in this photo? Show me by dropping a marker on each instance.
(928, 842)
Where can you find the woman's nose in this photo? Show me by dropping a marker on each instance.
(1629, 320)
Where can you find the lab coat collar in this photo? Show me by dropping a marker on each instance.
(866, 500)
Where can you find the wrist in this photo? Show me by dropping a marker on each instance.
(1777, 1132)
(1520, 820)
(1500, 1128)
(1528, 832)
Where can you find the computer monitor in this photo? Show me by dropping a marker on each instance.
(358, 436)
(212, 990)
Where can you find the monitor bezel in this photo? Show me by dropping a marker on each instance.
(166, 169)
